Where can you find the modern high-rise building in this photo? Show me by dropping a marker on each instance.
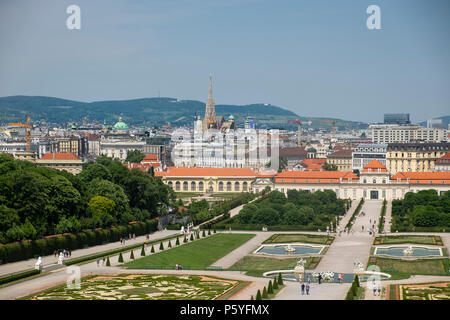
(397, 118)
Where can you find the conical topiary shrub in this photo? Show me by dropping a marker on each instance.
(269, 287)
(192, 237)
(275, 283)
(251, 298)
(264, 295)
(170, 244)
(120, 257)
(152, 250)
(143, 252)
(161, 247)
(185, 240)
(215, 231)
(108, 264)
(280, 279)
(177, 242)
(357, 281)
(258, 295)
(203, 233)
(209, 232)
(132, 255)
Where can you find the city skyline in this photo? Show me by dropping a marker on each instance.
(315, 59)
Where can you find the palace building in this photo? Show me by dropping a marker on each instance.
(374, 181)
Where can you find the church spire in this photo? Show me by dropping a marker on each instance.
(210, 112)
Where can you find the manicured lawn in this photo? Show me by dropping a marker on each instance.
(402, 269)
(256, 266)
(187, 194)
(307, 238)
(430, 240)
(195, 255)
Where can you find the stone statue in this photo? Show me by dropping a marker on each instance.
(299, 270)
(38, 264)
(408, 251)
(289, 248)
(182, 230)
(358, 267)
(61, 259)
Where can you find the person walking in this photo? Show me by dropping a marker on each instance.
(303, 288)
(319, 278)
(98, 263)
(307, 288)
(341, 278)
(104, 260)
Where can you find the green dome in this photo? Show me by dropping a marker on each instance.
(120, 125)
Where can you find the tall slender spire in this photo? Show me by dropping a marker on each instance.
(210, 112)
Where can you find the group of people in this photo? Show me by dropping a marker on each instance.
(376, 288)
(66, 253)
(130, 236)
(103, 261)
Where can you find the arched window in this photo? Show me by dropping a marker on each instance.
(177, 186)
(193, 186)
(229, 186)
(220, 186)
(200, 186)
(236, 186)
(374, 181)
(170, 184)
(244, 186)
(185, 186)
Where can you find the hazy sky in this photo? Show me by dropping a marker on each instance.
(315, 57)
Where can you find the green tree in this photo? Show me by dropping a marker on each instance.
(280, 279)
(152, 250)
(108, 263)
(95, 171)
(177, 242)
(329, 167)
(132, 255)
(134, 156)
(161, 247)
(258, 295)
(264, 294)
(143, 251)
(270, 288)
(120, 257)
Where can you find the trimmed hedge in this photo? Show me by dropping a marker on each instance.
(357, 210)
(18, 276)
(26, 249)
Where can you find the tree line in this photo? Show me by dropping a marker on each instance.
(39, 201)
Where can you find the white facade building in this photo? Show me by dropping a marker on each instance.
(392, 133)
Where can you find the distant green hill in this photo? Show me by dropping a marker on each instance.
(146, 111)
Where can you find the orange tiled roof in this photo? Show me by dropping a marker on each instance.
(315, 177)
(208, 172)
(374, 166)
(423, 177)
(59, 156)
(444, 157)
(142, 166)
(150, 157)
(309, 162)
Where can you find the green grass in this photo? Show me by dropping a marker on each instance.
(403, 269)
(195, 255)
(307, 238)
(256, 266)
(428, 240)
(187, 194)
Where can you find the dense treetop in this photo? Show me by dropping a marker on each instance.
(39, 201)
